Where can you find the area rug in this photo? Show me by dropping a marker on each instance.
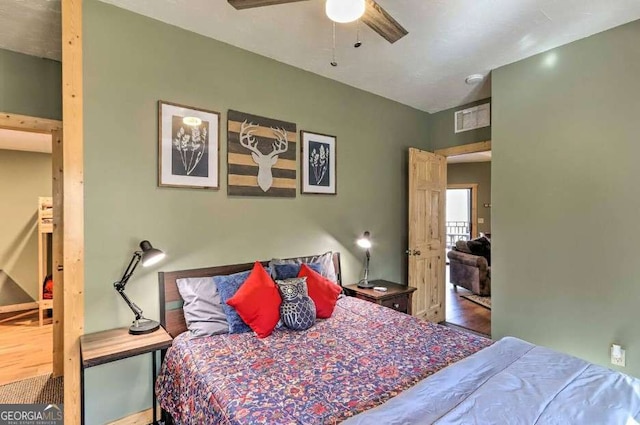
(483, 301)
(42, 389)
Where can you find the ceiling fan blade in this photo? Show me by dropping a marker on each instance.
(248, 4)
(381, 22)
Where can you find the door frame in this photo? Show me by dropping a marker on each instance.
(11, 121)
(462, 149)
(52, 127)
(474, 204)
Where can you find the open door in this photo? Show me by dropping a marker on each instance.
(427, 233)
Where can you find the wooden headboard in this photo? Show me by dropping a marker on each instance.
(171, 314)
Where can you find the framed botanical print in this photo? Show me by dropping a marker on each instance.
(318, 163)
(188, 146)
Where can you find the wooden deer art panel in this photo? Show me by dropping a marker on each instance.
(261, 156)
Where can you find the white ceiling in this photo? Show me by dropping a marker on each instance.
(470, 157)
(25, 141)
(32, 27)
(448, 39)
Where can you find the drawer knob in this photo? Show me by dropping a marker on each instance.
(396, 306)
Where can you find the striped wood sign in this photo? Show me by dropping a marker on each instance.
(261, 156)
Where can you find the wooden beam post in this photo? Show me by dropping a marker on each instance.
(73, 210)
(58, 253)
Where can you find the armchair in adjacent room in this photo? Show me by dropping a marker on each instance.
(470, 266)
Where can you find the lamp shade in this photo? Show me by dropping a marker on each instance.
(150, 255)
(343, 11)
(365, 241)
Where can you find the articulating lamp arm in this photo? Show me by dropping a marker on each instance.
(120, 285)
(136, 310)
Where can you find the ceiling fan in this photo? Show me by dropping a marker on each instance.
(342, 11)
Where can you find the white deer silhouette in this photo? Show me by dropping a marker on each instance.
(264, 161)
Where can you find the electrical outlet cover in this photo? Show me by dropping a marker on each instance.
(618, 361)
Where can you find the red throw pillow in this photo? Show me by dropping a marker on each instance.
(258, 301)
(322, 291)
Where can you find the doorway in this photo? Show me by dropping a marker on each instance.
(25, 254)
(468, 227)
(30, 248)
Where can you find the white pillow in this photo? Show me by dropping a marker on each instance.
(202, 307)
(325, 260)
(328, 269)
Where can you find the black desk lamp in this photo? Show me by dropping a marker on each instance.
(365, 242)
(148, 256)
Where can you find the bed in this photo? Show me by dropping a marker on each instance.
(368, 364)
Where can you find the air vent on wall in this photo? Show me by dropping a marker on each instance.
(472, 118)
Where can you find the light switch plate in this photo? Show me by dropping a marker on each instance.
(480, 220)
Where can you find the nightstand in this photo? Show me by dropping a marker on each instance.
(397, 297)
(117, 344)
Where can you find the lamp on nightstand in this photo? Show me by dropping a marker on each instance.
(365, 243)
(148, 256)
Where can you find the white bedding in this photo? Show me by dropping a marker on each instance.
(514, 382)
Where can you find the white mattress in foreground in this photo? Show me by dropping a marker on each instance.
(514, 382)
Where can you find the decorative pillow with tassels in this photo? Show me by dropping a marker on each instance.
(297, 311)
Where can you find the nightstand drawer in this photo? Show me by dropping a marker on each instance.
(399, 303)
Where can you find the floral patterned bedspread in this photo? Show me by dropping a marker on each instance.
(359, 358)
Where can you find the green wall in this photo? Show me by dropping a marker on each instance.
(442, 129)
(24, 176)
(130, 63)
(565, 190)
(30, 85)
(479, 173)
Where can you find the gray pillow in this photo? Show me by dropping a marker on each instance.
(325, 260)
(202, 307)
(297, 311)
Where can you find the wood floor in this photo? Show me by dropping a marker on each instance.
(25, 347)
(465, 313)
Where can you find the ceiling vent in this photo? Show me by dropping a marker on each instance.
(472, 118)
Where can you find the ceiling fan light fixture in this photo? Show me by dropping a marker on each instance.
(343, 11)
